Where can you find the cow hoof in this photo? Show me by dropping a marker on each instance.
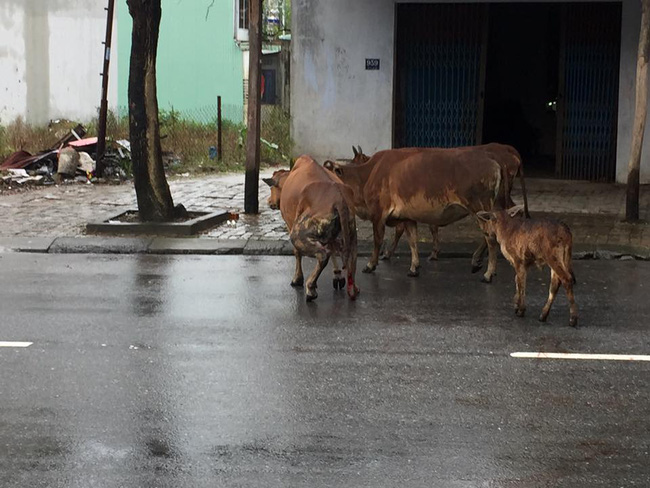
(484, 279)
(311, 295)
(476, 268)
(542, 318)
(369, 269)
(520, 312)
(353, 291)
(433, 257)
(413, 274)
(385, 257)
(298, 282)
(338, 283)
(573, 321)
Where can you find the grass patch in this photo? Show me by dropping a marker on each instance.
(187, 138)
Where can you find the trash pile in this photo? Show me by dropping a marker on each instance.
(72, 159)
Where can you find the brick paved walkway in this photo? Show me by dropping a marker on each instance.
(593, 210)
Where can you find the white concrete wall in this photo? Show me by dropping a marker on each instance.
(51, 55)
(335, 102)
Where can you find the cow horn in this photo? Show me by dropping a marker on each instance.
(360, 150)
(270, 181)
(354, 150)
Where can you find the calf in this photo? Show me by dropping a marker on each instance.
(320, 218)
(534, 242)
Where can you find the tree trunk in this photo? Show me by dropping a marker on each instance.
(151, 188)
(634, 165)
(251, 187)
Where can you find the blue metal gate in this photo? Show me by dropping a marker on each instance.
(588, 94)
(440, 71)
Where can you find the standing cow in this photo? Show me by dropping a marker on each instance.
(436, 186)
(534, 242)
(318, 211)
(509, 159)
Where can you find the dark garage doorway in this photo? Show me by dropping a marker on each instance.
(521, 84)
(540, 76)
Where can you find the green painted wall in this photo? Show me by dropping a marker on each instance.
(198, 58)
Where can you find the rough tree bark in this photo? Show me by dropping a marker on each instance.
(151, 188)
(640, 111)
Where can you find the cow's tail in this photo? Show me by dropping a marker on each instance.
(523, 188)
(505, 183)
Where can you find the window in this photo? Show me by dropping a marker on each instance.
(241, 20)
(243, 14)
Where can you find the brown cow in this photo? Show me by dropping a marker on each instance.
(534, 242)
(317, 210)
(436, 186)
(507, 156)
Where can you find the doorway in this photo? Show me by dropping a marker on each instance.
(542, 77)
(521, 84)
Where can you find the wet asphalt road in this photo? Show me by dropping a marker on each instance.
(154, 371)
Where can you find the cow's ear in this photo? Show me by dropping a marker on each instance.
(516, 210)
(484, 216)
(270, 181)
(329, 165)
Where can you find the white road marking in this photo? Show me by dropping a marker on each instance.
(593, 357)
(15, 344)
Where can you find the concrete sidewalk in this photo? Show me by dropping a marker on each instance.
(53, 219)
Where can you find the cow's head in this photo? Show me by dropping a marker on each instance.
(276, 182)
(489, 221)
(359, 157)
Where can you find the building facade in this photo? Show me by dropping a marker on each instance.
(556, 80)
(51, 57)
(199, 57)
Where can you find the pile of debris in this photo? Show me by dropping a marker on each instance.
(71, 159)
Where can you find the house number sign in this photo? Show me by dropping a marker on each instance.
(372, 64)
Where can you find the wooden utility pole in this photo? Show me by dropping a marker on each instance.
(103, 107)
(640, 111)
(251, 186)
